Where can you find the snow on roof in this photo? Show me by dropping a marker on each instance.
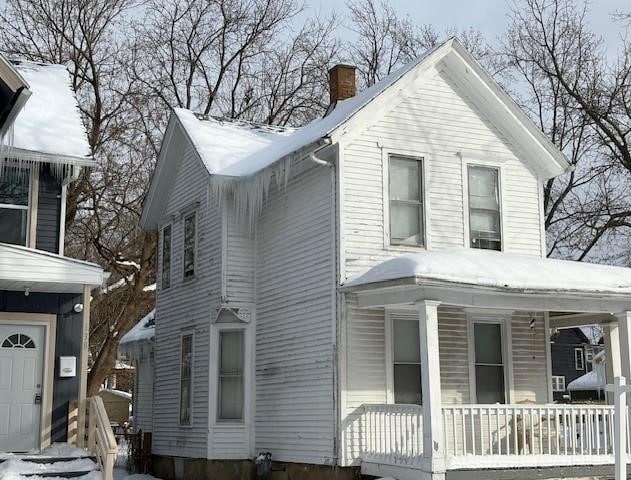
(239, 149)
(143, 331)
(50, 121)
(500, 270)
(594, 380)
(118, 393)
(224, 144)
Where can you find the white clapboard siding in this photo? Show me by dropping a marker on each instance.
(186, 307)
(295, 319)
(436, 121)
(143, 398)
(239, 262)
(366, 365)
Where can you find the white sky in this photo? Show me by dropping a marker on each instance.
(488, 16)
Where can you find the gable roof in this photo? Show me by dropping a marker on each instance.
(49, 127)
(237, 149)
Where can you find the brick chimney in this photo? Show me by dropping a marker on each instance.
(341, 83)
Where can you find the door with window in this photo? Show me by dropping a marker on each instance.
(489, 363)
(21, 361)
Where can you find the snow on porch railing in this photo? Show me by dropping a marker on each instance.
(392, 434)
(528, 432)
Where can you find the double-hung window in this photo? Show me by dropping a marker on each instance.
(406, 201)
(14, 206)
(166, 257)
(558, 383)
(407, 362)
(485, 229)
(489, 363)
(190, 233)
(186, 367)
(231, 381)
(579, 359)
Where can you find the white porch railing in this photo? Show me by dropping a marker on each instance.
(493, 436)
(101, 441)
(392, 434)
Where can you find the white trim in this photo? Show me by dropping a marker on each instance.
(581, 357)
(542, 220)
(546, 331)
(223, 212)
(185, 215)
(465, 163)
(386, 154)
(33, 198)
(161, 256)
(555, 382)
(49, 322)
(186, 333)
(62, 217)
(389, 354)
(504, 320)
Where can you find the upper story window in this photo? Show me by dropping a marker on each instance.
(190, 234)
(406, 201)
(166, 257)
(579, 359)
(485, 229)
(14, 207)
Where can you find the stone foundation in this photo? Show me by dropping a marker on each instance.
(180, 468)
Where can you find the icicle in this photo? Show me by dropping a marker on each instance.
(249, 193)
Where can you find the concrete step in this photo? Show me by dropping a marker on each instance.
(57, 474)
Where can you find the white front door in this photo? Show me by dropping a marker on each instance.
(21, 358)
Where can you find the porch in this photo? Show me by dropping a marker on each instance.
(485, 395)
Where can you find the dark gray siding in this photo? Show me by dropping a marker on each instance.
(562, 351)
(48, 212)
(68, 342)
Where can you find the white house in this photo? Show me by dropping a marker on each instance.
(371, 291)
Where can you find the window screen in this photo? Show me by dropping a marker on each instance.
(406, 201)
(484, 208)
(231, 362)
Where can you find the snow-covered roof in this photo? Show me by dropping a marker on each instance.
(501, 270)
(143, 331)
(229, 147)
(118, 393)
(594, 380)
(50, 121)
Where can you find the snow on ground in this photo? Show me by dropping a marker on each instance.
(121, 474)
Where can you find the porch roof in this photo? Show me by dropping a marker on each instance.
(24, 268)
(491, 273)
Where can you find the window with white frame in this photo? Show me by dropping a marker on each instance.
(166, 257)
(579, 359)
(406, 361)
(589, 355)
(14, 206)
(558, 383)
(485, 229)
(190, 234)
(406, 200)
(489, 363)
(231, 370)
(186, 371)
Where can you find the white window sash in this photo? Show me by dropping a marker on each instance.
(418, 203)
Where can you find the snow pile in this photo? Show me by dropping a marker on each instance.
(143, 331)
(489, 268)
(594, 380)
(50, 121)
(118, 393)
(14, 467)
(63, 450)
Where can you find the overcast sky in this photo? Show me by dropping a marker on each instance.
(488, 16)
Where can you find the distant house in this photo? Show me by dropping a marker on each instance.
(44, 295)
(592, 385)
(117, 405)
(369, 293)
(572, 357)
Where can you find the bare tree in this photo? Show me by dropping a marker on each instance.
(103, 206)
(581, 100)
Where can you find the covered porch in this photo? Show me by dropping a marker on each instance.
(485, 396)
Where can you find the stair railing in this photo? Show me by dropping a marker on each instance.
(101, 440)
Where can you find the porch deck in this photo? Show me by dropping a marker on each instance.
(488, 436)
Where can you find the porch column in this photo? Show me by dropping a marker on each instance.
(624, 338)
(612, 355)
(433, 449)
